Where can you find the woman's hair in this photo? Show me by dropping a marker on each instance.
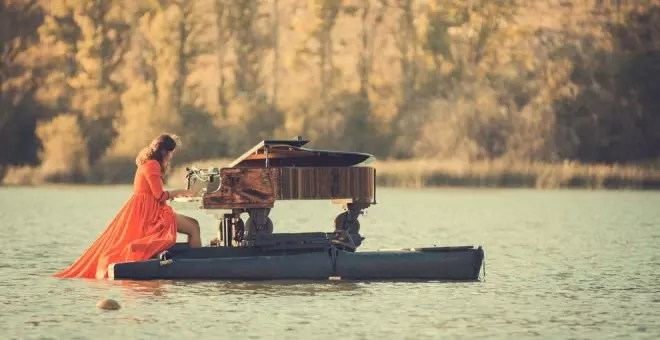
(157, 150)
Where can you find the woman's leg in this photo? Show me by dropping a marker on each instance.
(189, 226)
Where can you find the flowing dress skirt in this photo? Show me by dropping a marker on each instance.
(142, 228)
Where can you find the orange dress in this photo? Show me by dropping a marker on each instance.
(144, 226)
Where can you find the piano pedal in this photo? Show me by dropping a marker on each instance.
(215, 242)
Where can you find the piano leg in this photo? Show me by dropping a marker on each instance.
(238, 231)
(348, 220)
(347, 226)
(259, 223)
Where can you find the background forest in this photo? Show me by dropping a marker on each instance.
(483, 85)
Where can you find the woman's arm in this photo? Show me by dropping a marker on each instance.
(152, 174)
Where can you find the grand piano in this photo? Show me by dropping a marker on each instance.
(276, 170)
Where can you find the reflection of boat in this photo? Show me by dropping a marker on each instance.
(283, 170)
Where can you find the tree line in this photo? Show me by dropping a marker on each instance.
(84, 84)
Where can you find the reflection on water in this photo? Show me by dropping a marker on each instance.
(560, 264)
(268, 288)
(146, 289)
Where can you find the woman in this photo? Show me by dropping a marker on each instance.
(145, 225)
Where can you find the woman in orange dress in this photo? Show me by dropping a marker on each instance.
(145, 225)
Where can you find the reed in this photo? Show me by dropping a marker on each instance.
(424, 173)
(495, 174)
(417, 174)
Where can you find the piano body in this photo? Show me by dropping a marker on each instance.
(275, 170)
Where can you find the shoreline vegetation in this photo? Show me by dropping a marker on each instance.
(419, 173)
(424, 174)
(516, 93)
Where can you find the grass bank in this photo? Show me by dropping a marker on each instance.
(425, 174)
(407, 174)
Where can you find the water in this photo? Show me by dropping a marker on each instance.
(559, 264)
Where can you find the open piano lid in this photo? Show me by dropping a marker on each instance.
(290, 153)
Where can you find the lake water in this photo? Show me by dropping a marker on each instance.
(559, 264)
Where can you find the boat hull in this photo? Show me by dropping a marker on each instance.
(450, 263)
(414, 265)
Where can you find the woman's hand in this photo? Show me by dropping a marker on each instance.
(181, 193)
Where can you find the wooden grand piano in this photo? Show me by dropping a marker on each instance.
(275, 170)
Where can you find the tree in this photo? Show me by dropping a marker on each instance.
(64, 157)
(19, 21)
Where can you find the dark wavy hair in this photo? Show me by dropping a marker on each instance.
(157, 150)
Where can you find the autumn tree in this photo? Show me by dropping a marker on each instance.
(20, 69)
(222, 35)
(165, 47)
(251, 114)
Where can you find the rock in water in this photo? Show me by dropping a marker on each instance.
(108, 304)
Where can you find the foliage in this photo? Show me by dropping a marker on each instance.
(85, 84)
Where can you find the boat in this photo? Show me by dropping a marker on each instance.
(276, 170)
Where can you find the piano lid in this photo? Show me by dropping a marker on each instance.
(290, 153)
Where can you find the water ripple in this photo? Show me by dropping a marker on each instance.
(560, 264)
